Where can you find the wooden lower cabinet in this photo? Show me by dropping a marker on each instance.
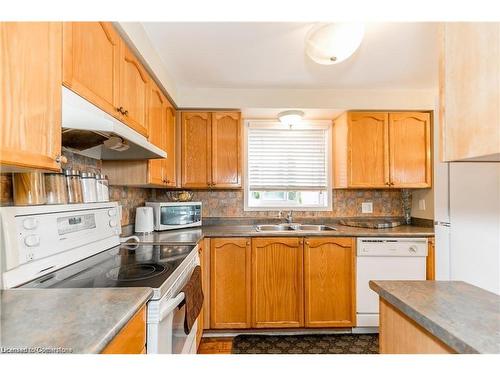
(431, 260)
(401, 335)
(132, 338)
(277, 282)
(329, 279)
(230, 283)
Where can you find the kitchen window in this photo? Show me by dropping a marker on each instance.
(287, 166)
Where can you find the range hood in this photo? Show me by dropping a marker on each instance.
(92, 132)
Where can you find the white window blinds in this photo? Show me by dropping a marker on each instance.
(284, 159)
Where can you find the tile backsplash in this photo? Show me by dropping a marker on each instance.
(346, 203)
(227, 203)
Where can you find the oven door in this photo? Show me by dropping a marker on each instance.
(179, 216)
(167, 336)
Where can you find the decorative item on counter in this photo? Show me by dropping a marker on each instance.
(182, 196)
(55, 187)
(29, 188)
(89, 188)
(73, 184)
(406, 201)
(102, 187)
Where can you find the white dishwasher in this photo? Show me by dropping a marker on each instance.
(384, 258)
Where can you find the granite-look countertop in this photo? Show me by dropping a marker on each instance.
(82, 320)
(463, 316)
(193, 236)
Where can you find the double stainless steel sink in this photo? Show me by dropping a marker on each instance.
(293, 227)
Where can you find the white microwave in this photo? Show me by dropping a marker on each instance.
(175, 215)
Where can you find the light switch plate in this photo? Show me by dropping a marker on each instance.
(367, 207)
(421, 204)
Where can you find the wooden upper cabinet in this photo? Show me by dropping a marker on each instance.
(157, 124)
(133, 91)
(367, 155)
(230, 297)
(410, 149)
(329, 282)
(169, 164)
(196, 149)
(91, 53)
(382, 150)
(470, 91)
(277, 282)
(211, 149)
(226, 136)
(30, 95)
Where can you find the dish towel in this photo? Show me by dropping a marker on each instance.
(193, 299)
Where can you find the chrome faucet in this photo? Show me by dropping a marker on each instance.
(289, 217)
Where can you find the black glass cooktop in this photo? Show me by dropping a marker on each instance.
(121, 266)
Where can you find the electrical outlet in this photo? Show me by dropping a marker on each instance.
(367, 207)
(421, 204)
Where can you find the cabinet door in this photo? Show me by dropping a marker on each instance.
(169, 164)
(133, 89)
(196, 149)
(329, 282)
(90, 62)
(277, 282)
(410, 149)
(230, 282)
(157, 118)
(30, 94)
(470, 91)
(226, 166)
(367, 153)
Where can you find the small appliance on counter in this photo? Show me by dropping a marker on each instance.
(144, 220)
(175, 215)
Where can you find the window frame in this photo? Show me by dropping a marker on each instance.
(307, 124)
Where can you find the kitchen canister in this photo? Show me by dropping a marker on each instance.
(89, 188)
(29, 188)
(102, 187)
(55, 188)
(73, 185)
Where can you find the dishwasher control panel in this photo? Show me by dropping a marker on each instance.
(391, 246)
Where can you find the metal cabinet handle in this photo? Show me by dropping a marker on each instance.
(125, 113)
(120, 109)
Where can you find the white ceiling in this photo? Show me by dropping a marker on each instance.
(271, 56)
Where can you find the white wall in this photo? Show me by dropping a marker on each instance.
(428, 195)
(475, 224)
(306, 98)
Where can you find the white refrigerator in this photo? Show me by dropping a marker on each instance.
(467, 223)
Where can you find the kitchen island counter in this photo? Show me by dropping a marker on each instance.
(463, 317)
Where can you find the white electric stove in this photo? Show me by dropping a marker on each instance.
(78, 246)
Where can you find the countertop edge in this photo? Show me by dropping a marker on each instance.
(101, 345)
(430, 326)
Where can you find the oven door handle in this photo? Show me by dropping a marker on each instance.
(171, 305)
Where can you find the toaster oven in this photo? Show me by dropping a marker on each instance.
(175, 215)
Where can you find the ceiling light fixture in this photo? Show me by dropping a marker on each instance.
(291, 117)
(331, 43)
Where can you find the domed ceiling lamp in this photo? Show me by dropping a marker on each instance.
(291, 117)
(331, 43)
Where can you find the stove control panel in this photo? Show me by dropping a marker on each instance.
(40, 232)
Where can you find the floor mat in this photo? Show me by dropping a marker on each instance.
(306, 344)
